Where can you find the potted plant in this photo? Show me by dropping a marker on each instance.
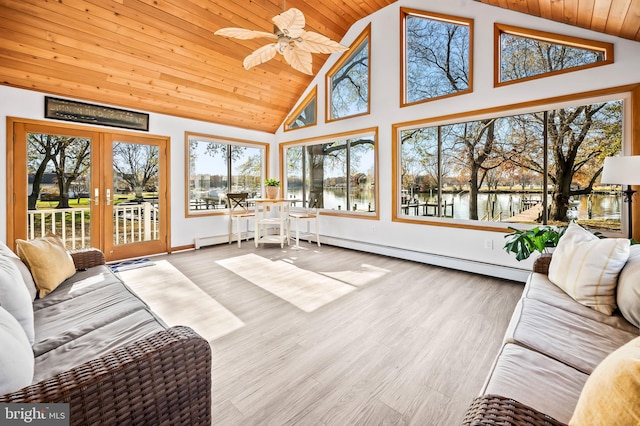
(524, 242)
(272, 187)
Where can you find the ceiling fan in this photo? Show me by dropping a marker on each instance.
(292, 42)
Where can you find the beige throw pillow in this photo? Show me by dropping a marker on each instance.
(48, 260)
(611, 395)
(587, 267)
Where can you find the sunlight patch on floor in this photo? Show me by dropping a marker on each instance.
(178, 301)
(304, 289)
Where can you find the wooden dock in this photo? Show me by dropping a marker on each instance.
(530, 215)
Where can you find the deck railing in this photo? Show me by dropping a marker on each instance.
(135, 223)
(132, 223)
(72, 225)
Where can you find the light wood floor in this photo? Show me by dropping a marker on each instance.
(411, 345)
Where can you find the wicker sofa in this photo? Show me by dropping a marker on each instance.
(101, 349)
(551, 346)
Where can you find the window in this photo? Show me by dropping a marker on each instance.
(496, 169)
(338, 172)
(523, 54)
(305, 114)
(217, 166)
(348, 81)
(436, 56)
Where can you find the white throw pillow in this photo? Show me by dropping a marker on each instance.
(24, 270)
(587, 267)
(629, 287)
(16, 356)
(14, 296)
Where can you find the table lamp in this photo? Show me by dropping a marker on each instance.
(623, 170)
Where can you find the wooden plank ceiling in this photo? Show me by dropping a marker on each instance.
(619, 18)
(161, 55)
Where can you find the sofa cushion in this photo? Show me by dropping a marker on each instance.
(24, 270)
(14, 296)
(628, 297)
(575, 340)
(587, 267)
(48, 260)
(88, 301)
(536, 380)
(94, 342)
(16, 357)
(539, 287)
(611, 394)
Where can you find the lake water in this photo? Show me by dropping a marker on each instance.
(596, 206)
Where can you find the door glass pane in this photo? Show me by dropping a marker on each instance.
(58, 192)
(135, 192)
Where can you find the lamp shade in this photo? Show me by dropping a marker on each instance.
(621, 170)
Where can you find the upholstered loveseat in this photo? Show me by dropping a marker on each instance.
(555, 342)
(98, 347)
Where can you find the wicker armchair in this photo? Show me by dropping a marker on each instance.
(541, 264)
(493, 410)
(164, 379)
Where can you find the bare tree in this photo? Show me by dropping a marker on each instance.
(137, 165)
(350, 84)
(579, 138)
(320, 154)
(437, 58)
(474, 149)
(69, 156)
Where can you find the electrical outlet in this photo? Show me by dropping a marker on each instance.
(488, 244)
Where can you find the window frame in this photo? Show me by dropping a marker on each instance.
(313, 94)
(404, 13)
(631, 133)
(371, 131)
(364, 35)
(582, 43)
(188, 136)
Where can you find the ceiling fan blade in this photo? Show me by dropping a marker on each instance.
(299, 59)
(260, 55)
(291, 22)
(313, 42)
(242, 33)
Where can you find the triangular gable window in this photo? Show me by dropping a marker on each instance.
(348, 81)
(523, 54)
(305, 114)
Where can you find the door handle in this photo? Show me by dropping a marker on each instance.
(108, 196)
(96, 196)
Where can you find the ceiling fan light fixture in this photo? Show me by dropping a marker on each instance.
(291, 40)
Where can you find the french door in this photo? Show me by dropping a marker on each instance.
(92, 188)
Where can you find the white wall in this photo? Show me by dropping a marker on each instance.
(30, 105)
(443, 245)
(459, 248)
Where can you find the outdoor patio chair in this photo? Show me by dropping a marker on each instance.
(239, 212)
(308, 214)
